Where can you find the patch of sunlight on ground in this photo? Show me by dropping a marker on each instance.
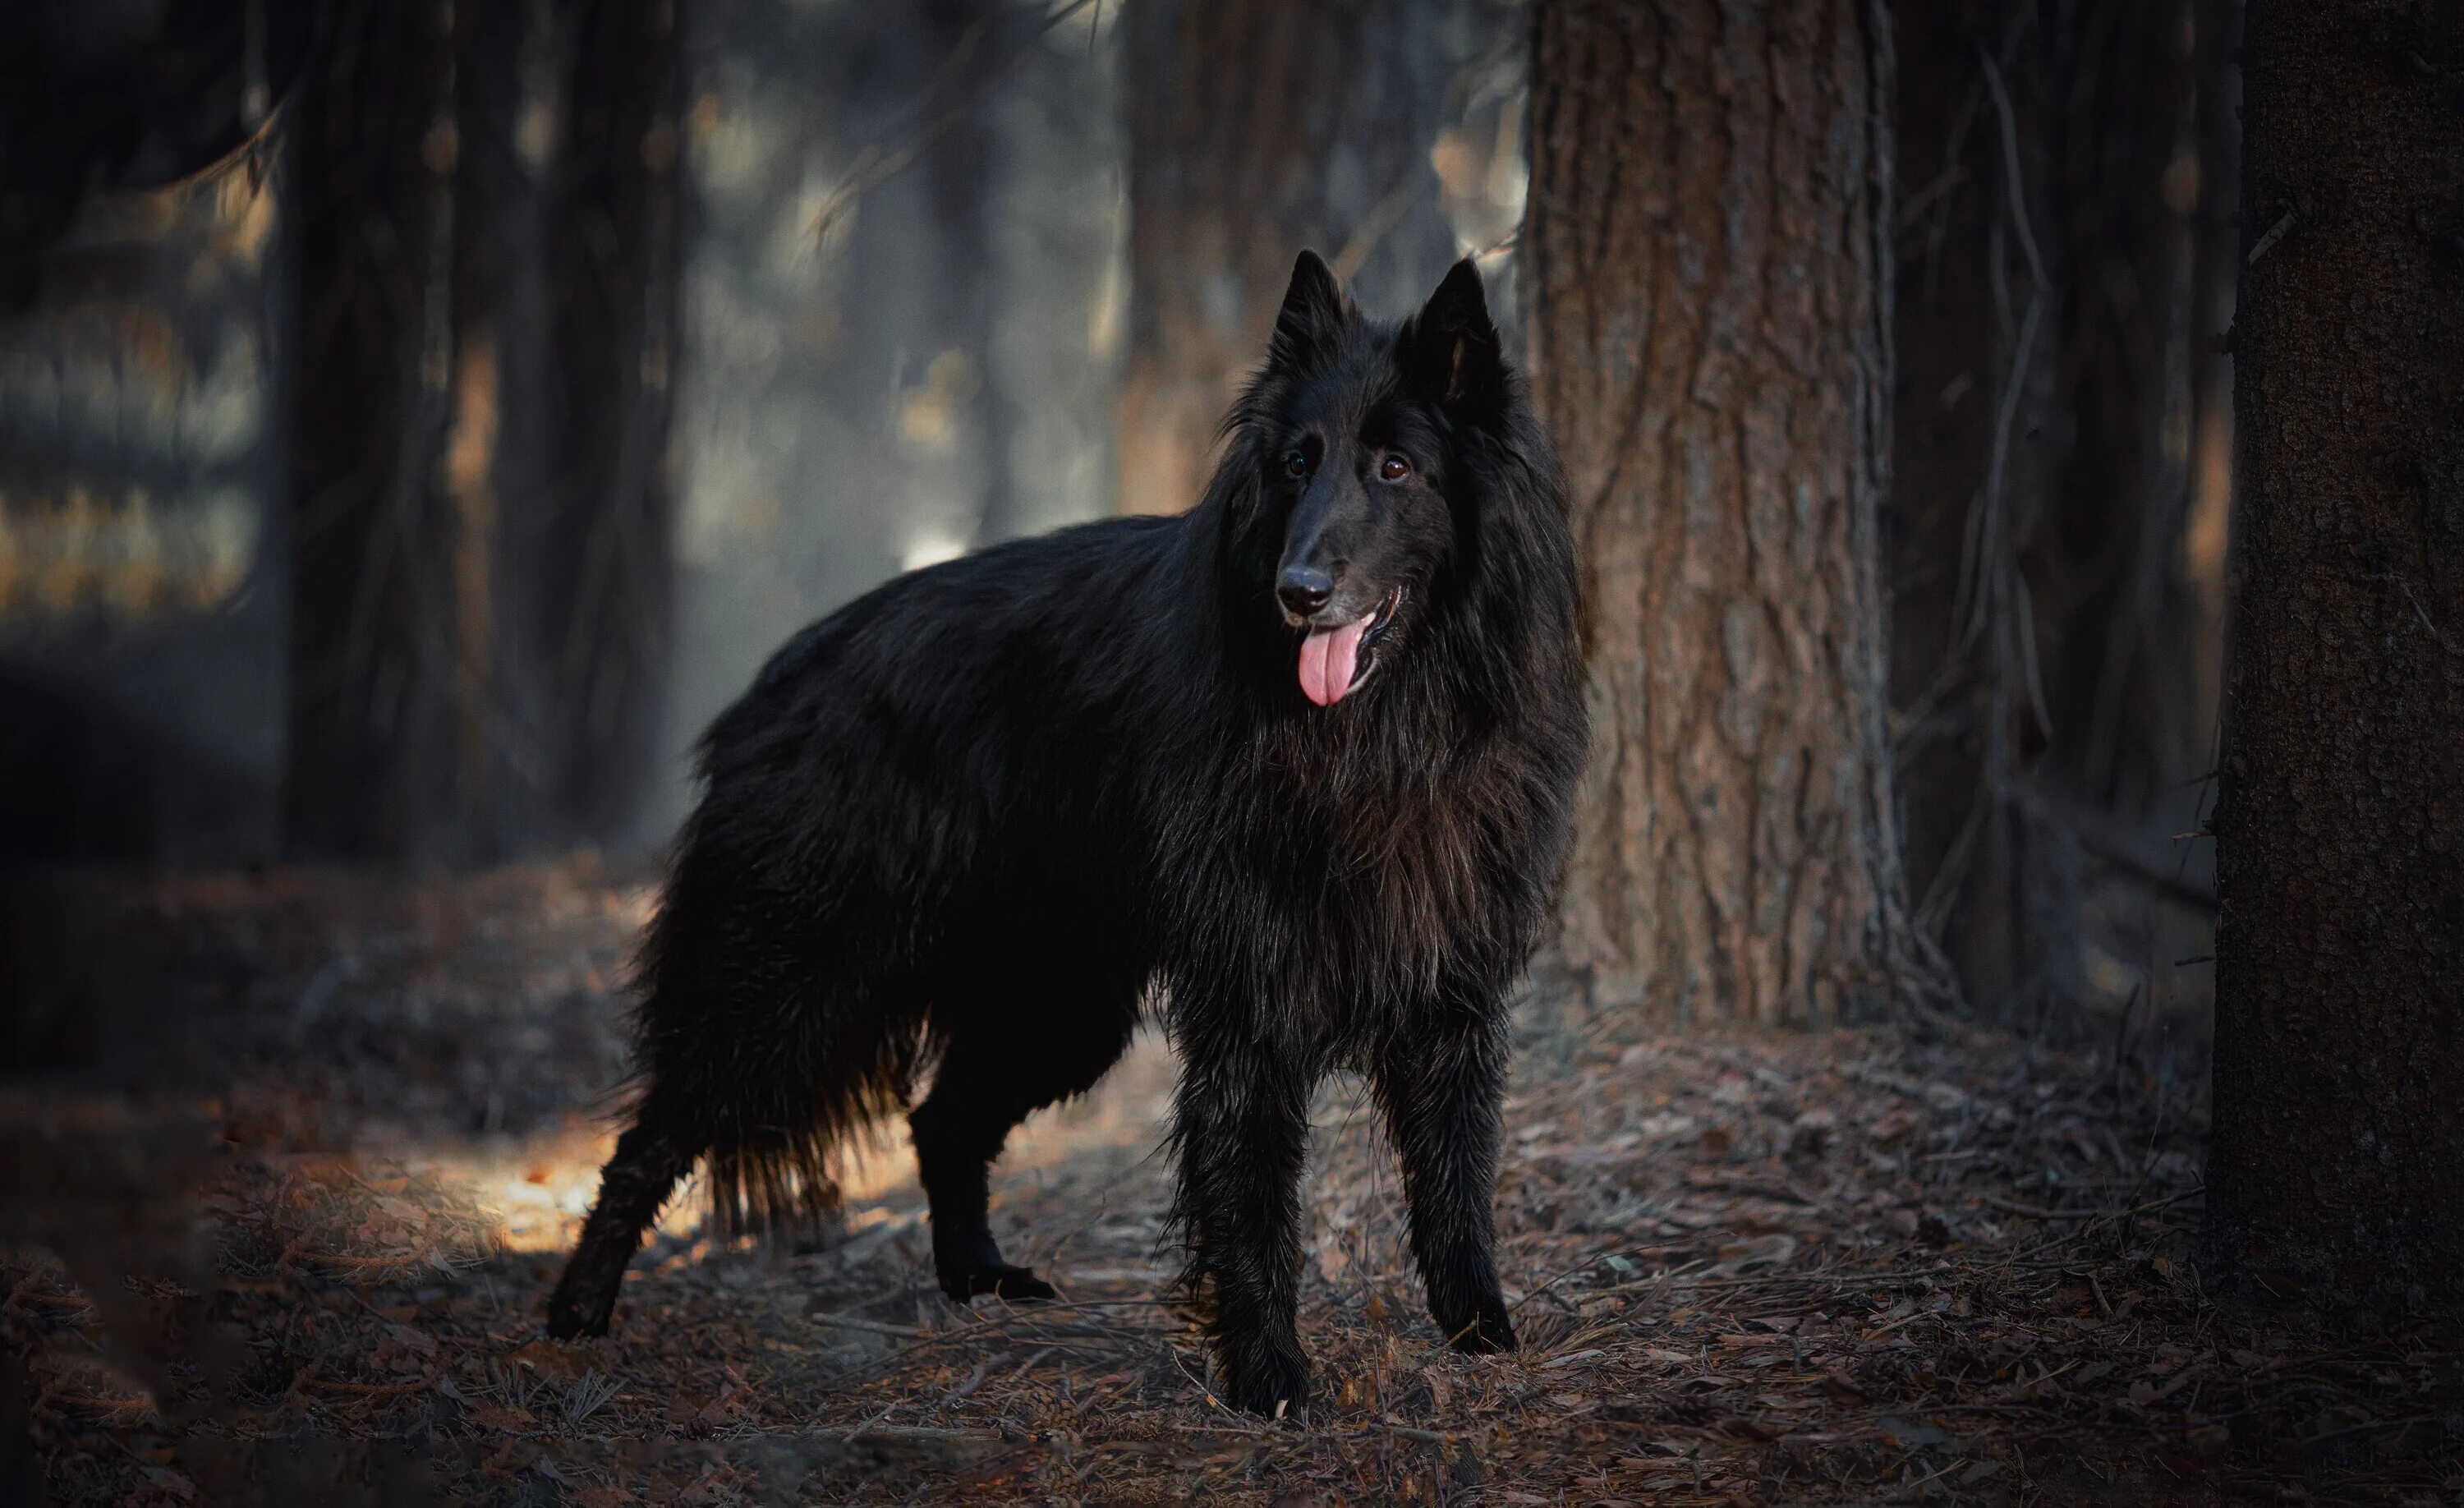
(543, 1185)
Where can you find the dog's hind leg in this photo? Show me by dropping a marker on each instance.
(994, 1074)
(1441, 1090)
(651, 1159)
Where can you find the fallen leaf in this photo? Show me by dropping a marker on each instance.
(502, 1416)
(2208, 1441)
(684, 1408)
(419, 1341)
(2146, 1391)
(549, 1360)
(1910, 1435)
(1893, 1125)
(1763, 1250)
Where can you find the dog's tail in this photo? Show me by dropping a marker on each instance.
(777, 1059)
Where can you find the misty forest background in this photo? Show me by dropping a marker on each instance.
(417, 421)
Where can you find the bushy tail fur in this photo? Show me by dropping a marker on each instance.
(762, 1052)
(774, 1058)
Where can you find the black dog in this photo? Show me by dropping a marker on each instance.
(1296, 765)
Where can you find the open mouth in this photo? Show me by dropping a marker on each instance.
(1336, 661)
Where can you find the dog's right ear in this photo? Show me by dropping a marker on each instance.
(1314, 319)
(1450, 347)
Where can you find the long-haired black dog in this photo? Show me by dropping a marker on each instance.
(1296, 764)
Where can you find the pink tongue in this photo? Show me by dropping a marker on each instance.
(1328, 659)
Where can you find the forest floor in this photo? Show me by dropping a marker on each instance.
(1842, 1267)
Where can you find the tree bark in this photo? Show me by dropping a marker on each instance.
(1259, 127)
(373, 764)
(2335, 1167)
(1707, 254)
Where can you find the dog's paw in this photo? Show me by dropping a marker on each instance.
(1017, 1284)
(1485, 1331)
(1272, 1384)
(570, 1322)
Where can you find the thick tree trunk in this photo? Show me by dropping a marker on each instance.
(1707, 256)
(1259, 127)
(374, 768)
(2337, 1163)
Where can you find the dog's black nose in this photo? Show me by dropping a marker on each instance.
(1304, 589)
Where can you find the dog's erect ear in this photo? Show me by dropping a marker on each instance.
(1450, 350)
(1314, 316)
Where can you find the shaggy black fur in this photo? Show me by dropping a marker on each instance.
(978, 818)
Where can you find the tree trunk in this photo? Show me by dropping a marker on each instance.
(592, 566)
(500, 356)
(2049, 636)
(2120, 667)
(2215, 285)
(1259, 127)
(1707, 254)
(2337, 1164)
(374, 768)
(1977, 310)
(485, 224)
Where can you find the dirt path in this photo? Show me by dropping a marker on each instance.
(1842, 1268)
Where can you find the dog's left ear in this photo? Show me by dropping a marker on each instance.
(1450, 349)
(1316, 313)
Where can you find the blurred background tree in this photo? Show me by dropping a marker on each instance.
(1256, 128)
(2060, 468)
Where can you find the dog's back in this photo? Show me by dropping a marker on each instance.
(913, 811)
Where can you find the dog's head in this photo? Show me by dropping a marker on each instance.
(1357, 431)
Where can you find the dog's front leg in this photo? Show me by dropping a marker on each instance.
(1241, 1123)
(1441, 1085)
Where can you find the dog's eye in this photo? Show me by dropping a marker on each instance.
(1393, 469)
(1296, 463)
